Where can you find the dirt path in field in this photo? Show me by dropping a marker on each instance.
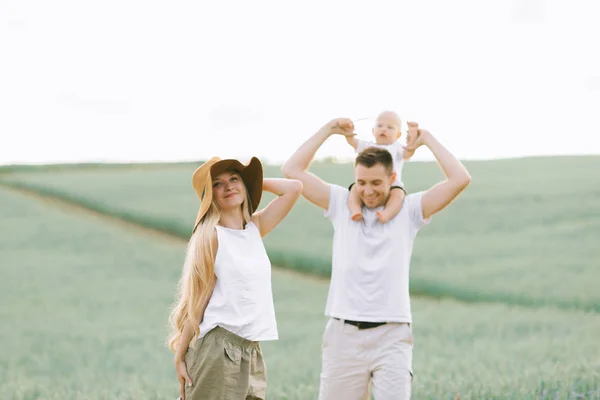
(73, 207)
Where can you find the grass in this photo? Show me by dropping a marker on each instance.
(524, 233)
(86, 303)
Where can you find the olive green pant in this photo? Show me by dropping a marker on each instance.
(225, 366)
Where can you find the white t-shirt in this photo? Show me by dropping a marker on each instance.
(396, 150)
(370, 268)
(242, 301)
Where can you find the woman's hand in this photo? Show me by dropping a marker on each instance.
(182, 377)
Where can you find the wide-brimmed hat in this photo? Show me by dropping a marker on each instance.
(251, 173)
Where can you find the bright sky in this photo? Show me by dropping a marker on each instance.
(132, 80)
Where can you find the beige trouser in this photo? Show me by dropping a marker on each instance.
(225, 366)
(352, 359)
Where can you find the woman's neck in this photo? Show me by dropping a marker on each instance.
(232, 220)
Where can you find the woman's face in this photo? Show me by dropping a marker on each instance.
(229, 191)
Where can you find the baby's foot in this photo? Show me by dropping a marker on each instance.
(383, 216)
(356, 216)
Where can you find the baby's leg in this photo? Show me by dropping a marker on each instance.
(392, 206)
(355, 204)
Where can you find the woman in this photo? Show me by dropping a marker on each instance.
(225, 303)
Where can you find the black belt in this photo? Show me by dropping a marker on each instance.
(363, 325)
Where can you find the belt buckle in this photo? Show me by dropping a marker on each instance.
(359, 324)
(367, 325)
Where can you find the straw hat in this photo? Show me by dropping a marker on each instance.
(251, 173)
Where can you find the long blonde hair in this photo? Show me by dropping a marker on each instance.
(198, 274)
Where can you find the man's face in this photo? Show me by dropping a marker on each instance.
(373, 184)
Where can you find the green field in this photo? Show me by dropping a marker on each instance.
(86, 303)
(525, 232)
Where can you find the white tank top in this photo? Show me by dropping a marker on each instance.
(242, 301)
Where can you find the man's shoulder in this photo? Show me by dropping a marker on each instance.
(338, 197)
(413, 200)
(338, 190)
(362, 144)
(413, 204)
(414, 196)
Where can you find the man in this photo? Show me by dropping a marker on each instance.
(368, 337)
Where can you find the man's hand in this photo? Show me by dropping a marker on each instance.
(341, 126)
(416, 137)
(413, 133)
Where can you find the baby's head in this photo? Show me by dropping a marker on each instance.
(387, 128)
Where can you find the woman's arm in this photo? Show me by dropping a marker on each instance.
(187, 334)
(288, 192)
(184, 341)
(180, 367)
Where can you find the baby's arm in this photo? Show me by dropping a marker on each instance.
(352, 141)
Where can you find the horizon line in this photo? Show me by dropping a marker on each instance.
(267, 161)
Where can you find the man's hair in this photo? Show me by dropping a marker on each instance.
(374, 155)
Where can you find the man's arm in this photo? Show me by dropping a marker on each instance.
(443, 193)
(315, 190)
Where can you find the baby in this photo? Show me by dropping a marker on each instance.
(386, 132)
